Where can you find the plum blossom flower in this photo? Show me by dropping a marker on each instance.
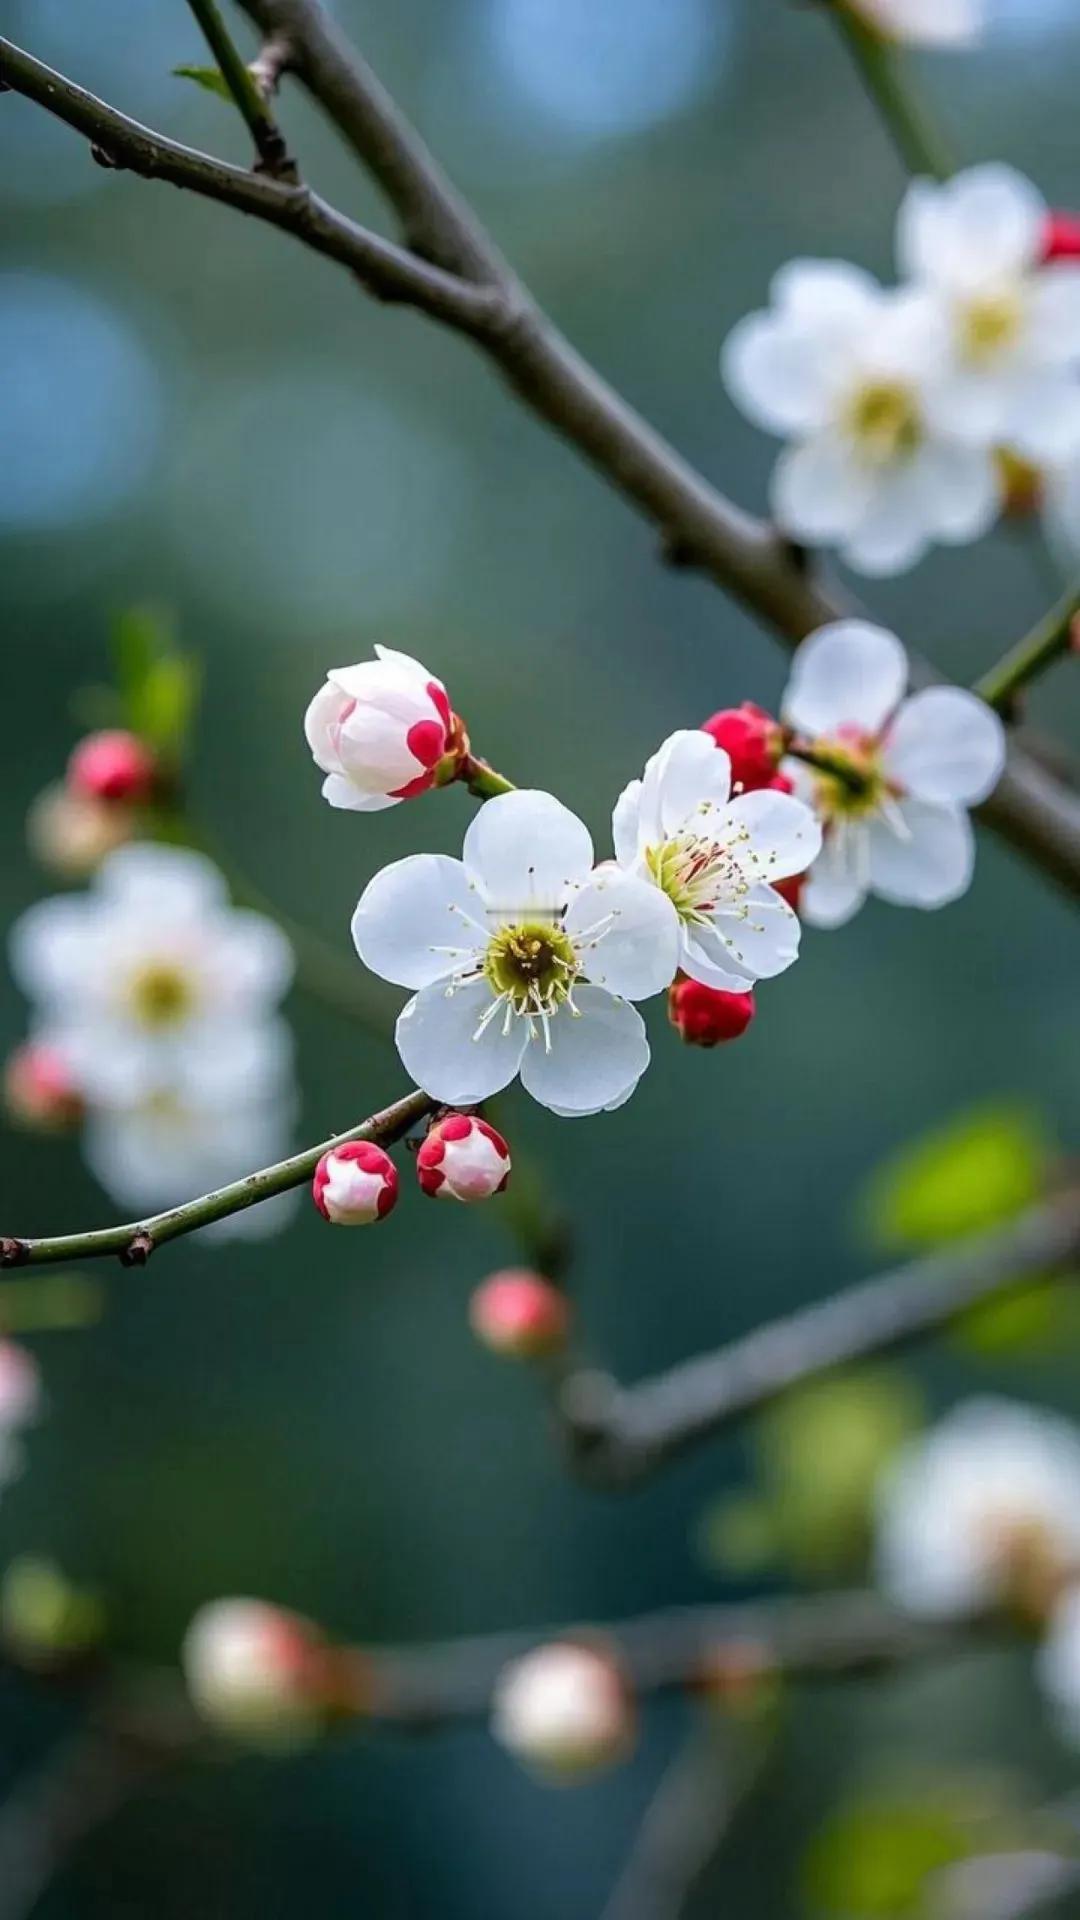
(931, 23)
(894, 776)
(378, 731)
(976, 245)
(151, 973)
(523, 960)
(982, 1511)
(850, 375)
(713, 859)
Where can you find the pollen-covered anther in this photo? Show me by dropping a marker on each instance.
(531, 965)
(463, 1158)
(696, 872)
(355, 1184)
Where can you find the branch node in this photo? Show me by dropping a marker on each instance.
(102, 158)
(137, 1252)
(13, 1253)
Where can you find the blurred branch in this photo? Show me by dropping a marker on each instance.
(249, 97)
(617, 1436)
(133, 1243)
(878, 62)
(387, 271)
(474, 292)
(1053, 637)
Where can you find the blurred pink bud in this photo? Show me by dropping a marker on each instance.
(379, 731)
(71, 834)
(519, 1313)
(115, 765)
(255, 1671)
(20, 1386)
(463, 1159)
(355, 1184)
(40, 1091)
(564, 1710)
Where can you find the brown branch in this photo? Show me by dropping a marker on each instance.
(618, 1436)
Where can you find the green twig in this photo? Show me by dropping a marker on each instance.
(269, 142)
(1054, 637)
(880, 68)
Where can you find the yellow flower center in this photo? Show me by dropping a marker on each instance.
(532, 965)
(990, 326)
(696, 873)
(885, 421)
(848, 778)
(160, 994)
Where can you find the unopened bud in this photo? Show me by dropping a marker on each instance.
(379, 730)
(71, 834)
(20, 1386)
(564, 1710)
(40, 1091)
(114, 765)
(355, 1184)
(463, 1159)
(753, 742)
(256, 1672)
(519, 1313)
(707, 1017)
(1061, 237)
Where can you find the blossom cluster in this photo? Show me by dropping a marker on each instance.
(983, 1513)
(906, 408)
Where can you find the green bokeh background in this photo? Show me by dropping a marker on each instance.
(310, 1419)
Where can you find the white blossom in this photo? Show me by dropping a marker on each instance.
(378, 731)
(983, 1510)
(975, 245)
(713, 858)
(932, 23)
(1059, 1663)
(904, 771)
(564, 1710)
(524, 960)
(851, 376)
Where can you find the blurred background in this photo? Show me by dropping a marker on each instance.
(197, 413)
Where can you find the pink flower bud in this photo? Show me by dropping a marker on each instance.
(355, 1184)
(20, 1386)
(71, 835)
(379, 731)
(255, 1671)
(564, 1710)
(40, 1090)
(753, 742)
(1061, 237)
(115, 765)
(463, 1159)
(519, 1313)
(706, 1017)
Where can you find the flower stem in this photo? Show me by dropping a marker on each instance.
(133, 1243)
(836, 766)
(1054, 636)
(481, 780)
(880, 68)
(246, 92)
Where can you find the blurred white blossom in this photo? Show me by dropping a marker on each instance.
(897, 774)
(1059, 1663)
(254, 1670)
(984, 1510)
(932, 23)
(564, 1710)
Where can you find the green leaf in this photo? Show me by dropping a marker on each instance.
(738, 1536)
(980, 1169)
(43, 1615)
(206, 77)
(873, 1858)
(159, 685)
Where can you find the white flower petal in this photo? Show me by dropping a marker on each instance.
(825, 293)
(960, 488)
(626, 825)
(1044, 416)
(927, 864)
(772, 835)
(419, 920)
(932, 23)
(252, 959)
(837, 883)
(322, 712)
(894, 532)
(983, 226)
(847, 674)
(527, 853)
(687, 774)
(160, 883)
(1054, 314)
(436, 1036)
(341, 793)
(819, 490)
(946, 745)
(773, 371)
(705, 957)
(636, 949)
(762, 938)
(48, 948)
(594, 1058)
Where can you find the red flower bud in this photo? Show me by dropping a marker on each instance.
(463, 1159)
(112, 766)
(753, 741)
(704, 1016)
(791, 889)
(1061, 237)
(519, 1313)
(355, 1184)
(39, 1089)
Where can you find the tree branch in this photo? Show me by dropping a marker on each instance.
(248, 95)
(877, 61)
(618, 1436)
(386, 270)
(133, 1243)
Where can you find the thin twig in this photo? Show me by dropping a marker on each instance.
(688, 1820)
(618, 1436)
(1050, 640)
(269, 141)
(133, 1243)
(878, 62)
